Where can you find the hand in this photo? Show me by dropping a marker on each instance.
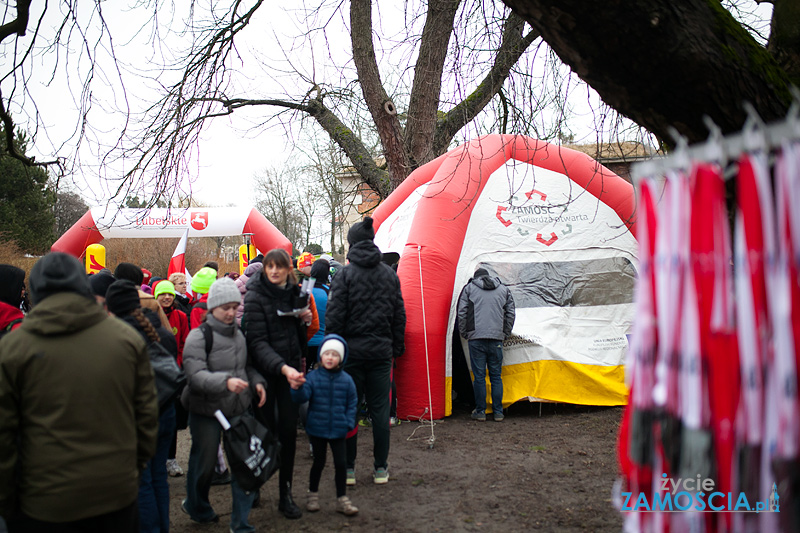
(306, 316)
(237, 385)
(295, 378)
(262, 394)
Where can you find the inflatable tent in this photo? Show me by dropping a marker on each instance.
(98, 224)
(556, 227)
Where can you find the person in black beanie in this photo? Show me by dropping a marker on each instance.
(12, 297)
(122, 299)
(84, 447)
(131, 272)
(365, 306)
(100, 283)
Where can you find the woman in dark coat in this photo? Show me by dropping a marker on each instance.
(274, 323)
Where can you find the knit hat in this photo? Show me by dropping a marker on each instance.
(305, 260)
(203, 279)
(100, 283)
(252, 268)
(333, 344)
(146, 275)
(321, 271)
(223, 291)
(130, 272)
(257, 259)
(164, 287)
(361, 231)
(58, 272)
(122, 297)
(12, 285)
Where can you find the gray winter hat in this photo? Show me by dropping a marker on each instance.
(223, 291)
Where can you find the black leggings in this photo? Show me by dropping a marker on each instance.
(319, 447)
(280, 415)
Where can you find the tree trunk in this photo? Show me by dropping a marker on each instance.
(381, 107)
(663, 63)
(424, 103)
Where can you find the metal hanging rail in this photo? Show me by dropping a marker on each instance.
(755, 136)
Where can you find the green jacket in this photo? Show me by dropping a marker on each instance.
(78, 412)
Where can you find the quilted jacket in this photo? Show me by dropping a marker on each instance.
(332, 400)
(272, 340)
(365, 305)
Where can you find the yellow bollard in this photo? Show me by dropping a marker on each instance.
(95, 258)
(243, 261)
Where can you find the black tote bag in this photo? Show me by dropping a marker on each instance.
(253, 452)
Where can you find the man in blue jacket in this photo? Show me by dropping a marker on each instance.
(485, 319)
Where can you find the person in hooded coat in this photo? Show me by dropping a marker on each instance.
(78, 410)
(365, 306)
(12, 295)
(218, 379)
(485, 318)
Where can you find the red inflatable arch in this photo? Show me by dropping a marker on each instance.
(98, 224)
(426, 219)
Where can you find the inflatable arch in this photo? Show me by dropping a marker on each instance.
(557, 227)
(98, 224)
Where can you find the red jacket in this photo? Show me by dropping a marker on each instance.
(198, 315)
(180, 328)
(8, 314)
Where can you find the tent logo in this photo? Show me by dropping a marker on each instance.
(199, 220)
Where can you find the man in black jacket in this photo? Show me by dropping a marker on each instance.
(365, 307)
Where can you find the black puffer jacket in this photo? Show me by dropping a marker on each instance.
(272, 340)
(365, 305)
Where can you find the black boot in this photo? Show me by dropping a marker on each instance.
(286, 504)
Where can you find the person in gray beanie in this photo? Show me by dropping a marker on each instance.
(78, 409)
(219, 378)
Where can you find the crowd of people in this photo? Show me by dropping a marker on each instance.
(87, 440)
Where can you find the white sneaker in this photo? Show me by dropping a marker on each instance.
(173, 468)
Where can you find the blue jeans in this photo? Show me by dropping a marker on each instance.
(153, 486)
(485, 353)
(206, 433)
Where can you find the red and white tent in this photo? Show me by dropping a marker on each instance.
(554, 225)
(99, 223)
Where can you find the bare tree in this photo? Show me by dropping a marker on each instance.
(409, 137)
(69, 208)
(279, 200)
(327, 162)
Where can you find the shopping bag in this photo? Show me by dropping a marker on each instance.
(253, 452)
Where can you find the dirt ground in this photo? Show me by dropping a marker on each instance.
(532, 472)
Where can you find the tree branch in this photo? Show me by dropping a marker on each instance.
(699, 61)
(381, 107)
(513, 46)
(19, 25)
(425, 92)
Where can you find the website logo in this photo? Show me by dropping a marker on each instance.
(696, 495)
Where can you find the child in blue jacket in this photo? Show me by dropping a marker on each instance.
(332, 403)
